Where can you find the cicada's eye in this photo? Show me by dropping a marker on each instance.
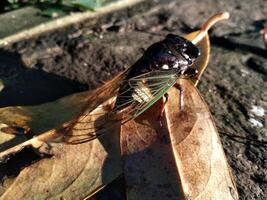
(181, 45)
(192, 51)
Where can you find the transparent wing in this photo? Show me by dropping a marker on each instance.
(118, 103)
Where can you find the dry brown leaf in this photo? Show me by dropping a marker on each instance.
(182, 159)
(74, 171)
(149, 165)
(197, 148)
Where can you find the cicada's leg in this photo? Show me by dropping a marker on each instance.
(163, 108)
(181, 101)
(163, 105)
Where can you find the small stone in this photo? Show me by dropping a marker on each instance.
(255, 123)
(257, 110)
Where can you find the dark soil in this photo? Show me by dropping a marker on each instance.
(86, 55)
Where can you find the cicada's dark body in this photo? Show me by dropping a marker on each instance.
(144, 83)
(172, 56)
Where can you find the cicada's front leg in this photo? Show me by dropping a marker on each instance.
(181, 100)
(163, 108)
(189, 73)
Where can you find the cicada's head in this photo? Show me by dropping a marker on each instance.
(184, 52)
(174, 53)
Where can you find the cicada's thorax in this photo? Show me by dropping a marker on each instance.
(173, 54)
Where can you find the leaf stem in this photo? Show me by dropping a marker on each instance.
(206, 26)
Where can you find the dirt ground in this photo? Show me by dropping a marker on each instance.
(86, 55)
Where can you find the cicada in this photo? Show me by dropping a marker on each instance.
(138, 88)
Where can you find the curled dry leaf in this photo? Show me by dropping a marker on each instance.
(150, 168)
(197, 149)
(65, 171)
(182, 159)
(73, 172)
